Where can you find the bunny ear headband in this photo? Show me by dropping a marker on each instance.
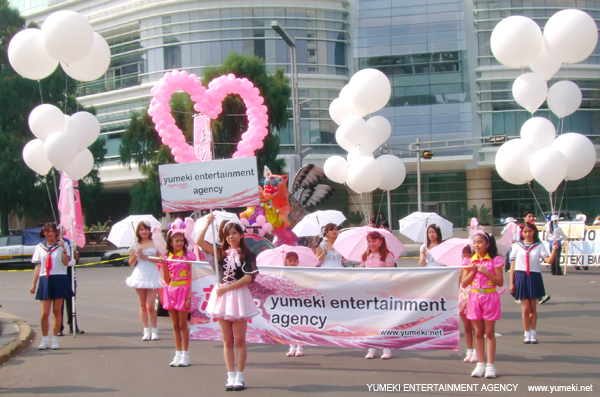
(183, 227)
(236, 222)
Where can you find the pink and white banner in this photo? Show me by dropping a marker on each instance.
(70, 215)
(400, 308)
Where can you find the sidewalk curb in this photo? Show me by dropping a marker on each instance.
(21, 342)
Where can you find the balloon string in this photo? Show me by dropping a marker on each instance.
(551, 203)
(379, 209)
(66, 92)
(562, 198)
(40, 88)
(353, 201)
(50, 199)
(534, 197)
(55, 188)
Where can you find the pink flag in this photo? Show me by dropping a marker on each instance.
(70, 210)
(202, 138)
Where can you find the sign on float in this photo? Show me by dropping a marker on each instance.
(206, 185)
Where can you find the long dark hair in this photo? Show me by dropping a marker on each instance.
(48, 226)
(532, 226)
(437, 231)
(170, 242)
(383, 249)
(492, 249)
(224, 231)
(142, 224)
(320, 237)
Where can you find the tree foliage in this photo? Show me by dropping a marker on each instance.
(23, 191)
(142, 146)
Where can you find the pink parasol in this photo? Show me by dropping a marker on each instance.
(352, 243)
(276, 256)
(449, 253)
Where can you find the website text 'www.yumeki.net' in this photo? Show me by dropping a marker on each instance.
(411, 333)
(552, 389)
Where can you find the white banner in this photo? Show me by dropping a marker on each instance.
(582, 253)
(211, 184)
(400, 308)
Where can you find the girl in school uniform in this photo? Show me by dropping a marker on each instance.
(526, 281)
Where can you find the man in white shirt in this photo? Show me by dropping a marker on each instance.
(555, 233)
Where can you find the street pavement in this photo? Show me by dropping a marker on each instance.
(110, 359)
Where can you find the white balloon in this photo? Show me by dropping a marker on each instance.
(579, 152)
(393, 171)
(28, 57)
(67, 36)
(538, 131)
(341, 108)
(85, 127)
(364, 175)
(46, 119)
(516, 41)
(545, 65)
(530, 90)
(341, 140)
(336, 169)
(548, 167)
(357, 152)
(35, 158)
(570, 35)
(564, 98)
(81, 165)
(93, 65)
(60, 149)
(354, 129)
(513, 160)
(371, 90)
(379, 130)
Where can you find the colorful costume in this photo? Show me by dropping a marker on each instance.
(145, 274)
(236, 304)
(528, 271)
(180, 275)
(53, 281)
(374, 260)
(484, 301)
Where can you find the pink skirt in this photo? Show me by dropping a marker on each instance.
(234, 305)
(174, 297)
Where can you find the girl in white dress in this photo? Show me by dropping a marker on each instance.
(434, 238)
(328, 256)
(145, 278)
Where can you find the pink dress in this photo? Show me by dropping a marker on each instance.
(484, 301)
(178, 289)
(237, 304)
(374, 260)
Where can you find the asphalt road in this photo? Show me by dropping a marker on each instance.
(112, 360)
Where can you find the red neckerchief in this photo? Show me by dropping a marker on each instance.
(49, 251)
(527, 251)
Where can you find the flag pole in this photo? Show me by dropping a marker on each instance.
(71, 190)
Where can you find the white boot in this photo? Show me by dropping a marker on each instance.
(155, 334)
(45, 343)
(185, 359)
(146, 334)
(176, 359)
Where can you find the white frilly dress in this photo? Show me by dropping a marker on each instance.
(145, 274)
(237, 304)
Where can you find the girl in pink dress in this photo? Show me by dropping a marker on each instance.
(177, 295)
(230, 301)
(483, 275)
(377, 255)
(463, 294)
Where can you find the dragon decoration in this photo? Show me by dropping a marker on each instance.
(283, 208)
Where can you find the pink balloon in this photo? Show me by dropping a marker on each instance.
(245, 222)
(267, 227)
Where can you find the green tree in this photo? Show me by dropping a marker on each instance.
(22, 190)
(142, 146)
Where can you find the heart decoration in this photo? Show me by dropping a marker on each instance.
(207, 102)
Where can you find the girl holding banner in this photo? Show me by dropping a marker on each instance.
(230, 301)
(484, 274)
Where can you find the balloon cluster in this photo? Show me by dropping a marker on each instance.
(66, 37)
(569, 36)
(368, 91)
(61, 142)
(207, 102)
(260, 224)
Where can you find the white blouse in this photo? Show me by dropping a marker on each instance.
(517, 254)
(40, 255)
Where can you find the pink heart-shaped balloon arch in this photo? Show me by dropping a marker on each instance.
(207, 102)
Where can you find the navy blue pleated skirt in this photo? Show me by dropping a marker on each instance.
(54, 287)
(528, 287)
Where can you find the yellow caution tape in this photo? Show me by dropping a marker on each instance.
(80, 265)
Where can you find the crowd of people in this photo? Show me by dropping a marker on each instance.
(481, 278)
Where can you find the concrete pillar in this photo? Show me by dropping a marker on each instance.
(479, 188)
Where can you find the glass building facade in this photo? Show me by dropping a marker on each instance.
(445, 82)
